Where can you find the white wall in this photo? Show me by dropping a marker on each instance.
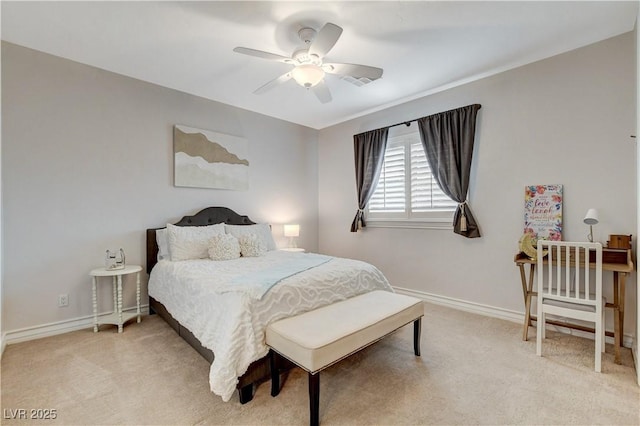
(87, 164)
(563, 120)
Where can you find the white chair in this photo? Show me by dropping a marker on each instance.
(570, 286)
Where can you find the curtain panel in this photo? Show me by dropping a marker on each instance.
(369, 148)
(447, 138)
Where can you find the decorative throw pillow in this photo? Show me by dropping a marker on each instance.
(224, 247)
(262, 230)
(163, 244)
(251, 245)
(191, 242)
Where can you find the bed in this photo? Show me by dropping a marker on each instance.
(223, 307)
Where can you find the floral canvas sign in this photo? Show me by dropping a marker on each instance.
(543, 211)
(206, 159)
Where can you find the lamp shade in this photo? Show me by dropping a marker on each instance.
(591, 218)
(291, 230)
(307, 75)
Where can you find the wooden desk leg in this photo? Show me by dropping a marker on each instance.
(527, 289)
(523, 280)
(618, 313)
(623, 278)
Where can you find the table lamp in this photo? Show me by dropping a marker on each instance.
(591, 218)
(292, 231)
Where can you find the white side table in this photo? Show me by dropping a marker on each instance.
(117, 317)
(294, 249)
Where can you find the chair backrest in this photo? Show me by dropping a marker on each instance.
(570, 272)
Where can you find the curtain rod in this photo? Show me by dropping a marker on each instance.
(408, 122)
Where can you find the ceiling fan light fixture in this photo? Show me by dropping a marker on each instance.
(308, 68)
(307, 75)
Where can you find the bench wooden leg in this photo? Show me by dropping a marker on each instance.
(314, 399)
(275, 373)
(417, 328)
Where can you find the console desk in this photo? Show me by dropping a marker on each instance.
(620, 271)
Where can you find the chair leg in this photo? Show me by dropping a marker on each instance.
(604, 334)
(539, 332)
(598, 339)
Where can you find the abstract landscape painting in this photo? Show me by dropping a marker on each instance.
(206, 159)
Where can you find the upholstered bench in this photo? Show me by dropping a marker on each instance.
(317, 339)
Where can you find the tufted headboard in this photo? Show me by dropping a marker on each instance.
(208, 216)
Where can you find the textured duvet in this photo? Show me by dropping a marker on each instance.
(229, 319)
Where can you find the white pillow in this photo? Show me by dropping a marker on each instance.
(191, 242)
(163, 244)
(224, 247)
(251, 245)
(262, 230)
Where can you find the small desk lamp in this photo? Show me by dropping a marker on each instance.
(591, 219)
(292, 231)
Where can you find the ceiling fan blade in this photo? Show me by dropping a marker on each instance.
(263, 55)
(353, 70)
(273, 83)
(322, 92)
(325, 40)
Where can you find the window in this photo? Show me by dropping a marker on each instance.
(407, 194)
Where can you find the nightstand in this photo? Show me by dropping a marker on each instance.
(117, 317)
(294, 249)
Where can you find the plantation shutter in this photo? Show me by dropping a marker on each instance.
(390, 193)
(426, 195)
(406, 184)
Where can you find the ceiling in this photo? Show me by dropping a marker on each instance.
(423, 46)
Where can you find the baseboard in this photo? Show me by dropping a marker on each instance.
(463, 305)
(54, 328)
(495, 312)
(3, 343)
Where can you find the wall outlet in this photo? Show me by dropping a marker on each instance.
(63, 300)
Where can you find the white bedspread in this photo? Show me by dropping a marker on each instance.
(232, 323)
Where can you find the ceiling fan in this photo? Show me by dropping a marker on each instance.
(309, 68)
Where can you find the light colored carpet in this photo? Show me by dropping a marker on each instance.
(473, 370)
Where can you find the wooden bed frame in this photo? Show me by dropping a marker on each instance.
(259, 370)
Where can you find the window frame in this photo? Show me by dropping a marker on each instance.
(440, 219)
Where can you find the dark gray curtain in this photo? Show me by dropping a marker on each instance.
(447, 139)
(369, 148)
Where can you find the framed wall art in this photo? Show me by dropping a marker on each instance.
(207, 159)
(543, 211)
